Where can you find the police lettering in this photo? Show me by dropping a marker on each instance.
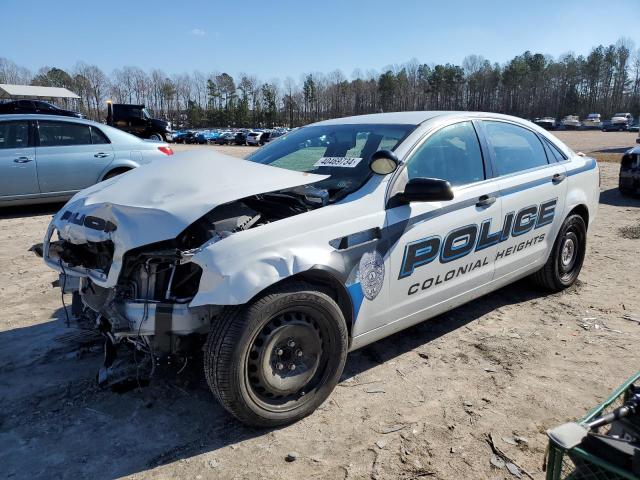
(464, 240)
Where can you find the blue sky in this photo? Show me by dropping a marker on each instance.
(280, 38)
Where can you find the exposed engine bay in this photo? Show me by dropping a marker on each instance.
(149, 306)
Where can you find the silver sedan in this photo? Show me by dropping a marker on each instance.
(46, 158)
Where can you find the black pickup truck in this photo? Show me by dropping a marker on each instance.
(137, 120)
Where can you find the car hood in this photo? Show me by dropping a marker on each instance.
(156, 122)
(156, 202)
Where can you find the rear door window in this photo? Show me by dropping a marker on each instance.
(56, 134)
(45, 107)
(515, 148)
(14, 134)
(25, 104)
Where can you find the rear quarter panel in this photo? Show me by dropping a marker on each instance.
(583, 175)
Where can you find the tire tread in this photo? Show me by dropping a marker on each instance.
(220, 367)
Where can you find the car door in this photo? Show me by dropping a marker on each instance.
(443, 249)
(67, 158)
(18, 176)
(533, 189)
(136, 123)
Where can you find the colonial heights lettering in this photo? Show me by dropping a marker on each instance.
(469, 267)
(461, 241)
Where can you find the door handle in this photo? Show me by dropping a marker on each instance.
(485, 200)
(558, 177)
(101, 155)
(22, 159)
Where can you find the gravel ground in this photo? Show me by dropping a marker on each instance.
(418, 404)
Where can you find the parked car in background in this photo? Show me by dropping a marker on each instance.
(635, 127)
(138, 120)
(621, 121)
(253, 138)
(571, 122)
(225, 138)
(276, 133)
(206, 137)
(189, 137)
(35, 106)
(548, 123)
(45, 158)
(608, 126)
(178, 136)
(629, 180)
(265, 137)
(240, 138)
(593, 120)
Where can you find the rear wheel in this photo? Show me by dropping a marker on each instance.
(275, 360)
(566, 258)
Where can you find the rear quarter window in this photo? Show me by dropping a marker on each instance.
(97, 137)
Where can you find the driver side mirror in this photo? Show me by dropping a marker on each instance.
(426, 190)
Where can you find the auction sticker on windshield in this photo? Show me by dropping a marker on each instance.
(348, 162)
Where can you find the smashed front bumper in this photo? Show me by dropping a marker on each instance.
(150, 298)
(53, 253)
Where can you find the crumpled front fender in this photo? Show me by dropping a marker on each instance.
(233, 281)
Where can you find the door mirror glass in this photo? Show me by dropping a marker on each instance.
(383, 162)
(426, 190)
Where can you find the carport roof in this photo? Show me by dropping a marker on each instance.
(11, 91)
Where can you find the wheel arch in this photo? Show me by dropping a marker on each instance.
(323, 277)
(115, 170)
(582, 210)
(119, 165)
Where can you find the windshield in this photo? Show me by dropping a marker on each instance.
(340, 151)
(146, 113)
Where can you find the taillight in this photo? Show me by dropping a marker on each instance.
(166, 150)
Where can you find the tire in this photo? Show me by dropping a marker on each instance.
(156, 136)
(566, 258)
(251, 349)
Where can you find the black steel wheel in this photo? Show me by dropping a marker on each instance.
(566, 258)
(276, 359)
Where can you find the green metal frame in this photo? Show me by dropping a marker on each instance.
(556, 453)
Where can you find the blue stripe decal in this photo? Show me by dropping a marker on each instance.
(355, 291)
(589, 165)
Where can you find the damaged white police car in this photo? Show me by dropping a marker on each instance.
(329, 238)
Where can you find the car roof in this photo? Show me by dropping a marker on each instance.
(114, 134)
(413, 117)
(41, 116)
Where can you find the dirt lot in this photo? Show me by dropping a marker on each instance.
(418, 404)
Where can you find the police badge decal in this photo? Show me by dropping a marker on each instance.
(371, 271)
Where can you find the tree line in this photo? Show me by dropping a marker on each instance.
(607, 80)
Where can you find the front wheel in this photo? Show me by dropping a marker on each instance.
(157, 136)
(566, 258)
(275, 360)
